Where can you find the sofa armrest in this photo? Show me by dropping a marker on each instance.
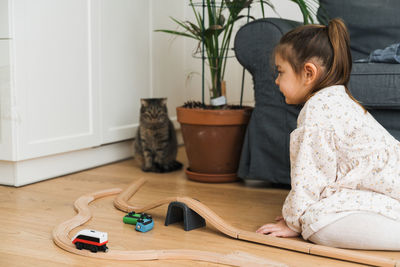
(265, 152)
(255, 41)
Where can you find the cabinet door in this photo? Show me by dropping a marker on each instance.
(125, 66)
(6, 147)
(54, 50)
(6, 116)
(4, 33)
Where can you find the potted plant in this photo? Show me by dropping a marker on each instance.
(213, 134)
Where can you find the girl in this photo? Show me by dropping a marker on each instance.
(345, 167)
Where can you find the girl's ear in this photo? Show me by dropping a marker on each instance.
(310, 73)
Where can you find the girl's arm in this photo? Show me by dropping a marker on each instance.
(313, 167)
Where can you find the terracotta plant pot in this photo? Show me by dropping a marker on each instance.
(213, 141)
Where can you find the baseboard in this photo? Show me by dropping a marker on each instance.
(25, 172)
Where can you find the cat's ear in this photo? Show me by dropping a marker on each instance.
(144, 102)
(164, 101)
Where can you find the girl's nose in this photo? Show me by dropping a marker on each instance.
(276, 81)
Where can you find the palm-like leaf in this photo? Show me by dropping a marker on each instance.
(221, 20)
(269, 4)
(178, 33)
(236, 6)
(308, 9)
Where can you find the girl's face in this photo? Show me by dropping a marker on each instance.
(294, 87)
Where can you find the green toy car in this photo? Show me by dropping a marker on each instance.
(132, 217)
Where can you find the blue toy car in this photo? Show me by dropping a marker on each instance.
(144, 225)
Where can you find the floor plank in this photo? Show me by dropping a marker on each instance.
(29, 214)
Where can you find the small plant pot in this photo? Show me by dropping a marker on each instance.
(213, 142)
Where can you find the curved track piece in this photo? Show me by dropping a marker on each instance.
(121, 202)
(61, 239)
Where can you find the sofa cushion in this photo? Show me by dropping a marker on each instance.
(376, 85)
(373, 24)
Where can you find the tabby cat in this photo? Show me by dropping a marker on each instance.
(155, 142)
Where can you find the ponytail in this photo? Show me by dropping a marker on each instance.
(330, 45)
(340, 68)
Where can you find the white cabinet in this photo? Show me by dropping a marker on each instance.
(6, 129)
(71, 75)
(55, 76)
(4, 32)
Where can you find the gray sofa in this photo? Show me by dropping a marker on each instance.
(372, 24)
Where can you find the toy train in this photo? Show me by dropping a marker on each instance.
(132, 217)
(143, 221)
(144, 225)
(91, 240)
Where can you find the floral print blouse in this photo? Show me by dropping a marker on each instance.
(342, 161)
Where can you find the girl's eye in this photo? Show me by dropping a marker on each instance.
(277, 72)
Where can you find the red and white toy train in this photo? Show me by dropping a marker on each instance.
(91, 239)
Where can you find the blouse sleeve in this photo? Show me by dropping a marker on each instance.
(313, 166)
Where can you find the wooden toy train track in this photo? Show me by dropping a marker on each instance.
(61, 238)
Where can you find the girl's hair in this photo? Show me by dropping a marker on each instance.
(328, 46)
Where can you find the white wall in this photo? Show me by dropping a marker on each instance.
(168, 54)
(175, 71)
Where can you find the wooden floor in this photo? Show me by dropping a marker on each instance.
(29, 214)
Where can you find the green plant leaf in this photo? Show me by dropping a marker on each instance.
(308, 9)
(243, 16)
(213, 30)
(221, 20)
(236, 6)
(269, 4)
(194, 28)
(178, 33)
(185, 26)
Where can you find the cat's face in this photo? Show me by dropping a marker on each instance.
(153, 110)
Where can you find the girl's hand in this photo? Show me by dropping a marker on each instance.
(279, 229)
